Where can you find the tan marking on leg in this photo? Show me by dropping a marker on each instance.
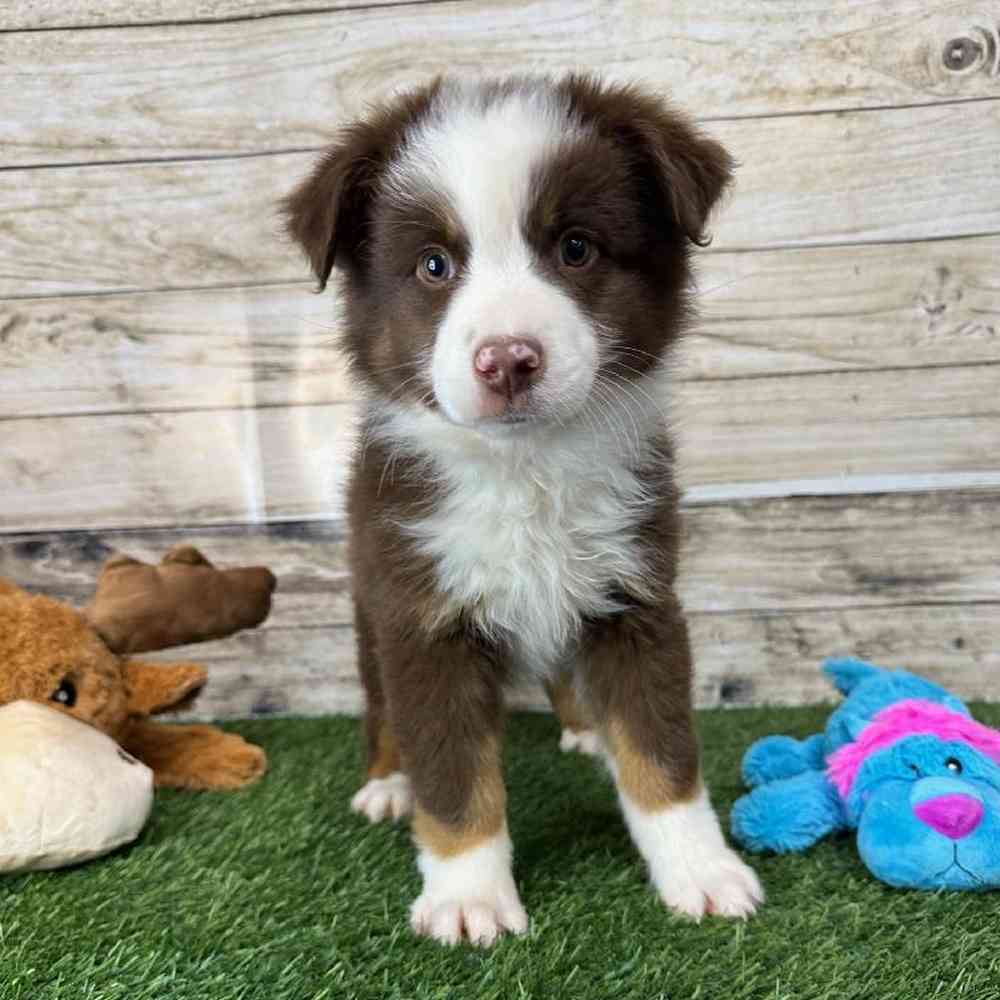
(385, 755)
(484, 816)
(572, 713)
(644, 780)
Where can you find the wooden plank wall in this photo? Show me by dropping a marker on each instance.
(166, 373)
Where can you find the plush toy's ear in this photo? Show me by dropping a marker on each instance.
(688, 170)
(846, 673)
(157, 687)
(139, 607)
(327, 214)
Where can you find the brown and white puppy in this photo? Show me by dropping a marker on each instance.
(515, 264)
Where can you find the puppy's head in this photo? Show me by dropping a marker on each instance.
(511, 249)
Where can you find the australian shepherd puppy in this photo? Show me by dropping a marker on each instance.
(514, 259)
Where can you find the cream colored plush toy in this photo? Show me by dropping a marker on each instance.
(70, 793)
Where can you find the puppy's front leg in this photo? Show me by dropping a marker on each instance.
(638, 673)
(444, 698)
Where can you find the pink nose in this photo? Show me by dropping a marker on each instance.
(509, 365)
(955, 816)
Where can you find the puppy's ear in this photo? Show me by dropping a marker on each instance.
(683, 169)
(694, 169)
(328, 213)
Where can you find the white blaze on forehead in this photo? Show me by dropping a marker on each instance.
(482, 156)
(482, 153)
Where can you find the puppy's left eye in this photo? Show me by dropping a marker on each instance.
(65, 694)
(576, 250)
(954, 765)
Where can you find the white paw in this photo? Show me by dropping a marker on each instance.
(384, 798)
(718, 884)
(690, 865)
(582, 740)
(471, 897)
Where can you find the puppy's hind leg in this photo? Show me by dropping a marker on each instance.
(578, 730)
(387, 793)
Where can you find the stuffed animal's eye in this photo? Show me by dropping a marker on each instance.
(435, 266)
(916, 770)
(65, 694)
(954, 765)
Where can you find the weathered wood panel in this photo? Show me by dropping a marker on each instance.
(740, 659)
(198, 224)
(767, 556)
(847, 431)
(264, 346)
(35, 15)
(173, 468)
(781, 311)
(828, 308)
(255, 85)
(771, 588)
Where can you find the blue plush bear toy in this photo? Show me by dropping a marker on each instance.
(902, 762)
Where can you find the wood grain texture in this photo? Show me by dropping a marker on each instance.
(774, 312)
(829, 308)
(198, 224)
(256, 85)
(755, 436)
(740, 659)
(771, 588)
(264, 346)
(766, 556)
(46, 15)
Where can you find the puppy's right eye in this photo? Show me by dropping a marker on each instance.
(435, 266)
(65, 694)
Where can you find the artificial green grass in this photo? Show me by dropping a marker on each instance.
(279, 893)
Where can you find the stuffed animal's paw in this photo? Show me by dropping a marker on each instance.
(789, 815)
(776, 757)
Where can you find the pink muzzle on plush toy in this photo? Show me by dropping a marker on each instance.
(955, 816)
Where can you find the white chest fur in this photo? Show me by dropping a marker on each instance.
(531, 533)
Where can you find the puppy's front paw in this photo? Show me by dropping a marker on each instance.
(716, 883)
(581, 740)
(690, 865)
(470, 897)
(390, 797)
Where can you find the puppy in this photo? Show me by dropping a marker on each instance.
(515, 268)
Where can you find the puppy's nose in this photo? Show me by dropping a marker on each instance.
(955, 816)
(509, 365)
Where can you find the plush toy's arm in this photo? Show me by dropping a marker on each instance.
(775, 757)
(788, 815)
(194, 756)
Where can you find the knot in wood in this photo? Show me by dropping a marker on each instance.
(961, 53)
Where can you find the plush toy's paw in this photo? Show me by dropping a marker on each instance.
(776, 757)
(471, 897)
(390, 797)
(582, 740)
(201, 757)
(234, 763)
(789, 815)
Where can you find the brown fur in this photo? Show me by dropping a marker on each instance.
(49, 650)
(570, 710)
(644, 180)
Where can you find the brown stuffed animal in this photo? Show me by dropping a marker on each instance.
(71, 660)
